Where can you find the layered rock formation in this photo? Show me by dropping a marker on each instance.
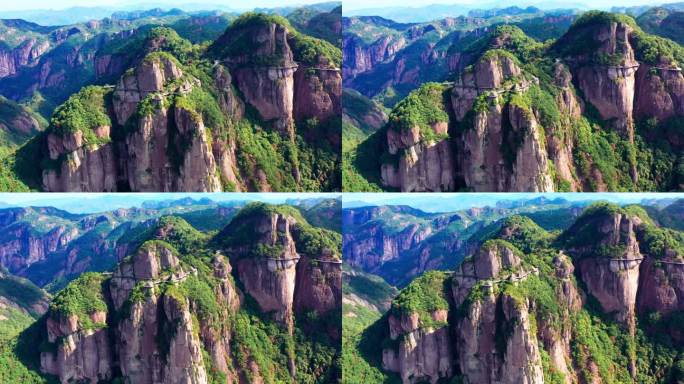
(171, 124)
(486, 166)
(167, 150)
(515, 125)
(26, 53)
(509, 322)
(424, 352)
(170, 311)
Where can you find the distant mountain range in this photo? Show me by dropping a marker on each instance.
(439, 11)
(102, 203)
(436, 203)
(73, 15)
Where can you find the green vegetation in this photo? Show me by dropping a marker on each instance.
(308, 50)
(18, 124)
(371, 288)
(83, 297)
(601, 342)
(361, 165)
(268, 152)
(663, 22)
(363, 335)
(606, 151)
(365, 329)
(422, 108)
(658, 242)
(265, 344)
(21, 292)
(523, 233)
(84, 112)
(316, 242)
(14, 367)
(178, 235)
(509, 40)
(320, 25)
(326, 214)
(426, 294)
(311, 241)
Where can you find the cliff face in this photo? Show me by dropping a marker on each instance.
(377, 247)
(424, 353)
(659, 91)
(284, 274)
(173, 118)
(138, 350)
(167, 150)
(360, 58)
(610, 88)
(485, 164)
(318, 92)
(271, 281)
(27, 247)
(614, 281)
(515, 125)
(169, 316)
(26, 53)
(381, 55)
(482, 356)
(265, 73)
(399, 243)
(516, 319)
(83, 169)
(499, 146)
(424, 165)
(81, 353)
(141, 357)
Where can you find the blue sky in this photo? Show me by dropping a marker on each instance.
(8, 5)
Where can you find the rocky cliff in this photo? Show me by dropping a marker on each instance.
(398, 242)
(522, 308)
(533, 119)
(176, 311)
(26, 53)
(185, 118)
(166, 150)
